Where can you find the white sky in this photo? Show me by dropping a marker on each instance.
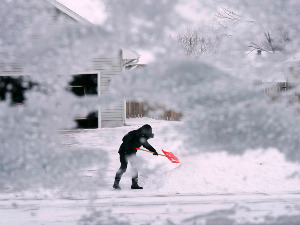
(94, 11)
(190, 10)
(146, 56)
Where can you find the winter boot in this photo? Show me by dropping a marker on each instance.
(116, 184)
(135, 184)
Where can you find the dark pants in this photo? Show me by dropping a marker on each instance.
(124, 158)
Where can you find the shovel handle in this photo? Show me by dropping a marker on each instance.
(149, 151)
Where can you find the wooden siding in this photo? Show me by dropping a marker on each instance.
(10, 69)
(109, 68)
(112, 113)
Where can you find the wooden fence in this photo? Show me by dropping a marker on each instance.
(143, 109)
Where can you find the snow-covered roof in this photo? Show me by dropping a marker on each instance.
(68, 11)
(130, 54)
(294, 58)
(92, 11)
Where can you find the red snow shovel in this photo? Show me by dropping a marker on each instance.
(169, 155)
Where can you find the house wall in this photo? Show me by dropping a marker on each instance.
(109, 67)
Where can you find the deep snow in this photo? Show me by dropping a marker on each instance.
(255, 171)
(258, 186)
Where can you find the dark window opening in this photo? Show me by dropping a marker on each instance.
(15, 88)
(91, 121)
(84, 84)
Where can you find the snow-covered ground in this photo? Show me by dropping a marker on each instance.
(258, 187)
(144, 207)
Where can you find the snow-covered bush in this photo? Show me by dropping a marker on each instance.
(222, 109)
(30, 148)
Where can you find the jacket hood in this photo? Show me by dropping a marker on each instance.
(146, 131)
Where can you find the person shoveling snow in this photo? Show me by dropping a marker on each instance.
(131, 142)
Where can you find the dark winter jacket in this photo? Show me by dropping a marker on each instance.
(135, 139)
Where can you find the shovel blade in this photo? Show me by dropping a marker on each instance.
(171, 157)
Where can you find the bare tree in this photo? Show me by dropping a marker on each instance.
(194, 42)
(225, 15)
(272, 43)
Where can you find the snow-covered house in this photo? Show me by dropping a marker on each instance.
(288, 77)
(104, 68)
(94, 79)
(100, 71)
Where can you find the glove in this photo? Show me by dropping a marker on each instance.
(155, 153)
